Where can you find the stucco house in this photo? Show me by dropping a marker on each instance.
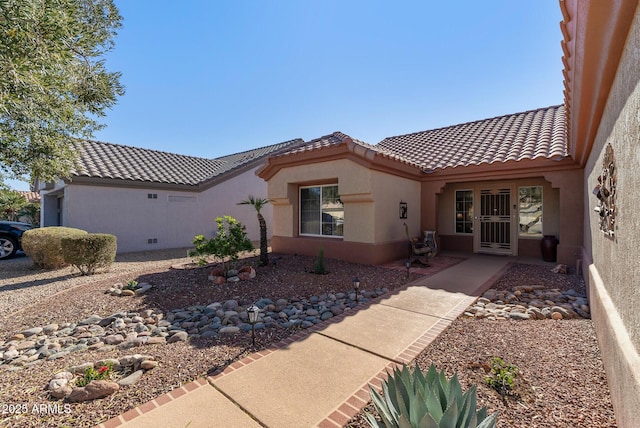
(154, 200)
(493, 186)
(498, 185)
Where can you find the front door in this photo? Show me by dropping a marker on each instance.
(495, 222)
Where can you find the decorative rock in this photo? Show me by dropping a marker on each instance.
(232, 273)
(180, 336)
(143, 288)
(113, 339)
(127, 292)
(233, 279)
(32, 331)
(247, 271)
(157, 340)
(148, 364)
(93, 319)
(131, 379)
(218, 280)
(95, 389)
(81, 368)
(229, 330)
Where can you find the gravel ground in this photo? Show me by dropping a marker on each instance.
(561, 383)
(30, 297)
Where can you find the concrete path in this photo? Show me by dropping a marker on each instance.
(321, 376)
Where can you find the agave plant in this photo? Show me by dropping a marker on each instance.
(415, 400)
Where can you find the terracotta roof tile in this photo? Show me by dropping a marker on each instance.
(106, 160)
(514, 137)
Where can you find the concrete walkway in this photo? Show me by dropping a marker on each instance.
(321, 376)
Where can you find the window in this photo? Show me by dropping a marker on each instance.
(530, 210)
(464, 211)
(321, 211)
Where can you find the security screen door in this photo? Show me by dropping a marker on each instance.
(495, 221)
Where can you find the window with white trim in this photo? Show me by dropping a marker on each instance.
(530, 210)
(321, 211)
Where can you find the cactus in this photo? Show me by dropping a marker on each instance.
(418, 400)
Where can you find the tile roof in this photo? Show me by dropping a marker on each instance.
(30, 196)
(337, 138)
(528, 135)
(107, 160)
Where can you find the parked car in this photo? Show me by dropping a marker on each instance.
(10, 237)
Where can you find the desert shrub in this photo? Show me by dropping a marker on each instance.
(417, 399)
(89, 252)
(230, 239)
(44, 245)
(319, 266)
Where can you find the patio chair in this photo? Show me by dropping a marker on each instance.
(421, 250)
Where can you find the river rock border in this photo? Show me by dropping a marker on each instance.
(125, 330)
(529, 302)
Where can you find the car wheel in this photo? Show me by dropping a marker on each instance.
(8, 247)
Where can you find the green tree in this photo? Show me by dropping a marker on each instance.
(258, 204)
(11, 204)
(229, 241)
(54, 84)
(31, 213)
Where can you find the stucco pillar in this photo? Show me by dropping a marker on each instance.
(429, 204)
(570, 185)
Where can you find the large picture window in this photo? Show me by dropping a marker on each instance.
(321, 211)
(464, 211)
(530, 210)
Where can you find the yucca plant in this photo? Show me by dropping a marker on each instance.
(415, 400)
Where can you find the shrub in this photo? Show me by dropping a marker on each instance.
(89, 252)
(44, 245)
(502, 376)
(231, 238)
(131, 285)
(103, 373)
(319, 267)
(419, 400)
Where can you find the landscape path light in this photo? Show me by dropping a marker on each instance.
(408, 266)
(356, 286)
(254, 312)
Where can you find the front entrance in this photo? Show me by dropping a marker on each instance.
(494, 222)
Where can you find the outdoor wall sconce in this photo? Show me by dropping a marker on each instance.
(356, 286)
(403, 209)
(253, 311)
(605, 191)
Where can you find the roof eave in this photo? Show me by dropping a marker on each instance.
(594, 37)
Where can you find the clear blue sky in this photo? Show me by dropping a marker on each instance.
(210, 78)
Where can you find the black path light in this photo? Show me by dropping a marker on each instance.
(254, 312)
(408, 266)
(356, 286)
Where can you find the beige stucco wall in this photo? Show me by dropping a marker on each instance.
(614, 275)
(174, 218)
(366, 221)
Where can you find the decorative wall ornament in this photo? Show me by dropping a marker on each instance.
(605, 191)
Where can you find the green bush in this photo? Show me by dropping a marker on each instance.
(427, 400)
(231, 238)
(502, 376)
(89, 252)
(44, 247)
(319, 267)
